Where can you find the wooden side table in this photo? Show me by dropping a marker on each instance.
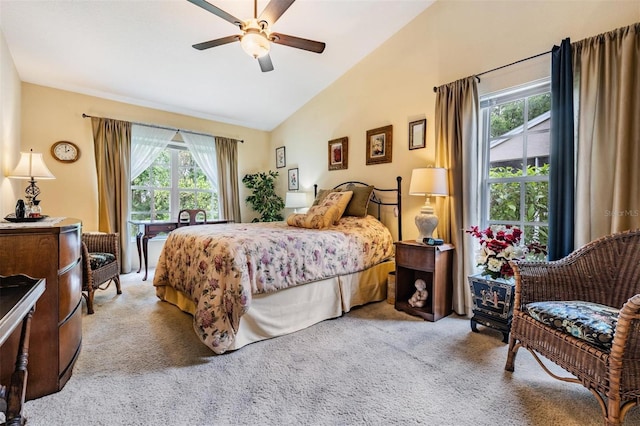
(416, 260)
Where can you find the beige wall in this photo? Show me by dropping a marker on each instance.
(50, 115)
(9, 128)
(394, 84)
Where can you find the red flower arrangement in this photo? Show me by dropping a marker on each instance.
(498, 245)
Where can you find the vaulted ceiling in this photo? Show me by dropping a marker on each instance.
(140, 52)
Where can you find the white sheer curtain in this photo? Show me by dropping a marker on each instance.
(203, 150)
(146, 144)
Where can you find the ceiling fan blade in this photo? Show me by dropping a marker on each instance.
(217, 11)
(265, 63)
(217, 42)
(298, 43)
(274, 10)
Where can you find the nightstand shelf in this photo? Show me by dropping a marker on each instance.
(432, 264)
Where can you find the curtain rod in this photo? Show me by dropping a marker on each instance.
(161, 127)
(435, 89)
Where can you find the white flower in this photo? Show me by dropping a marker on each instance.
(495, 265)
(483, 255)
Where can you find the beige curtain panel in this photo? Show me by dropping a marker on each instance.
(112, 147)
(228, 190)
(457, 118)
(607, 76)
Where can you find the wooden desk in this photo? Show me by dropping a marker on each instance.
(19, 295)
(149, 229)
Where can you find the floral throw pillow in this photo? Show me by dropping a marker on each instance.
(591, 322)
(318, 217)
(338, 199)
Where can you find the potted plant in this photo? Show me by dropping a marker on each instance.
(264, 199)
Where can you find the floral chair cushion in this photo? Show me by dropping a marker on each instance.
(98, 260)
(591, 322)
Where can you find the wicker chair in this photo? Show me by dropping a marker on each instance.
(607, 272)
(104, 250)
(192, 217)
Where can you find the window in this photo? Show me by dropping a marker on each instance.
(515, 138)
(174, 181)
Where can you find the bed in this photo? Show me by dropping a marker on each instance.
(247, 282)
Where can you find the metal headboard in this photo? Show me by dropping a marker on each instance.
(376, 199)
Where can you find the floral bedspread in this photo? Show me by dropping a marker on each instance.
(221, 266)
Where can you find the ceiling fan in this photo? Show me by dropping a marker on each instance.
(256, 37)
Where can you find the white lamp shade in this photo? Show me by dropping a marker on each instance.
(295, 200)
(31, 165)
(429, 181)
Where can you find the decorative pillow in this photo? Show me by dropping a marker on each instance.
(339, 199)
(323, 193)
(591, 322)
(359, 201)
(318, 217)
(98, 260)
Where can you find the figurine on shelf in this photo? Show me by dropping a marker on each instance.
(420, 296)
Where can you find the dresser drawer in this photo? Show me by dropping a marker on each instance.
(159, 228)
(420, 258)
(69, 291)
(70, 247)
(70, 337)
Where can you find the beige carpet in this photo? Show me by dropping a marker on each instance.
(141, 364)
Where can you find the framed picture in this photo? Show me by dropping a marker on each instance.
(379, 145)
(417, 132)
(294, 180)
(339, 154)
(281, 159)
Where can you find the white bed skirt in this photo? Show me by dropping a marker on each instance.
(296, 308)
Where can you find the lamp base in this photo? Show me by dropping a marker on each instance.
(426, 224)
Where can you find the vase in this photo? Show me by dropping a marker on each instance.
(492, 303)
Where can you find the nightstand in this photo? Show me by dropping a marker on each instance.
(432, 264)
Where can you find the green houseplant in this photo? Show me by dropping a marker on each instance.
(264, 199)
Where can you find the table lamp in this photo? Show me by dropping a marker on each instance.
(295, 200)
(31, 166)
(427, 182)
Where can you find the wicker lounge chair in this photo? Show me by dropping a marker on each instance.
(101, 264)
(606, 272)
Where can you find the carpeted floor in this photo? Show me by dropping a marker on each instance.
(141, 364)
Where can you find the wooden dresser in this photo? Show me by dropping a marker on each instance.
(51, 252)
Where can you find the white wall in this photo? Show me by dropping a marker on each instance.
(394, 84)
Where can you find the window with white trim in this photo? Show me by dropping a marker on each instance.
(174, 181)
(515, 134)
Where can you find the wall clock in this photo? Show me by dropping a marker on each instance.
(65, 151)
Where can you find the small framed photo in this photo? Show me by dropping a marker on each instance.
(339, 154)
(417, 132)
(379, 145)
(281, 159)
(294, 180)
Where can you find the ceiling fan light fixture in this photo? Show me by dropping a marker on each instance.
(255, 43)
